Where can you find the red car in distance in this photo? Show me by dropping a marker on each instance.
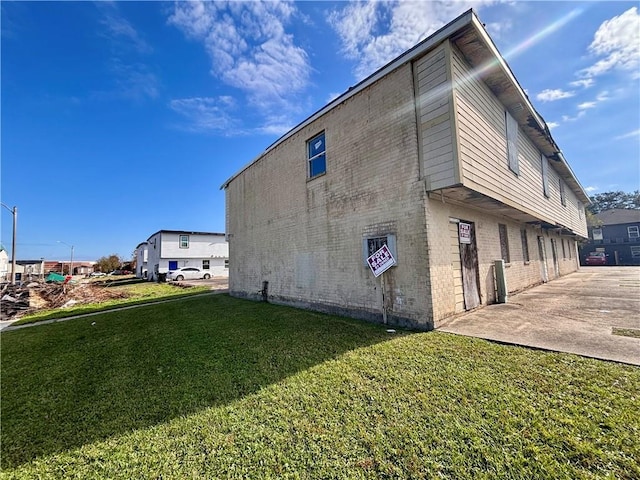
(596, 258)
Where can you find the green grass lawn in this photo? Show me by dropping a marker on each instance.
(216, 387)
(136, 294)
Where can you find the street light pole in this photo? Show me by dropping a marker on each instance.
(71, 262)
(13, 242)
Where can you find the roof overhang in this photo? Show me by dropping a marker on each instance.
(469, 198)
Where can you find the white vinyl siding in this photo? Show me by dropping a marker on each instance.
(433, 94)
(512, 142)
(482, 151)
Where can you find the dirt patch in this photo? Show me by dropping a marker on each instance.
(35, 296)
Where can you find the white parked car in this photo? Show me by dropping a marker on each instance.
(187, 273)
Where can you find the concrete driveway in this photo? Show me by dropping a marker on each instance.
(574, 314)
(214, 283)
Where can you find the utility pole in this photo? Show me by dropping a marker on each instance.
(14, 211)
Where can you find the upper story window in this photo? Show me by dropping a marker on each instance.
(316, 156)
(512, 142)
(184, 241)
(544, 163)
(633, 231)
(563, 194)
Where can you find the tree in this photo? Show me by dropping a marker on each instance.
(108, 264)
(608, 200)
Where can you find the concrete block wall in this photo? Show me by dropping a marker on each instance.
(520, 274)
(304, 236)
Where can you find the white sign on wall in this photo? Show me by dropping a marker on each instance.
(464, 232)
(381, 261)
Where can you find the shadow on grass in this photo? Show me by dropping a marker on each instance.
(76, 382)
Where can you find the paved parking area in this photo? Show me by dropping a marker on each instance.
(574, 314)
(215, 283)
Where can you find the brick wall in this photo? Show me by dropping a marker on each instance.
(305, 236)
(520, 274)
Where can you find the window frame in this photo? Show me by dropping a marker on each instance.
(388, 239)
(634, 249)
(563, 193)
(181, 241)
(314, 157)
(503, 233)
(544, 165)
(207, 265)
(637, 231)
(525, 246)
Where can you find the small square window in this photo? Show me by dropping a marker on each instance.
(184, 241)
(371, 245)
(226, 264)
(316, 155)
(635, 251)
(634, 231)
(205, 264)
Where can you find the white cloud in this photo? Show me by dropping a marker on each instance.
(602, 96)
(498, 29)
(584, 83)
(373, 32)
(550, 95)
(250, 49)
(552, 125)
(586, 105)
(120, 29)
(206, 114)
(133, 78)
(591, 189)
(635, 133)
(617, 41)
(567, 118)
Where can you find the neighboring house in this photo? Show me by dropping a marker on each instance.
(441, 156)
(5, 268)
(79, 267)
(172, 249)
(30, 269)
(618, 235)
(142, 257)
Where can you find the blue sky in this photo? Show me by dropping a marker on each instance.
(123, 118)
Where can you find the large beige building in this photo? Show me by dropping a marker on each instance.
(441, 156)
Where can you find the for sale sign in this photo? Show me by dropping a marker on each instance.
(381, 261)
(464, 230)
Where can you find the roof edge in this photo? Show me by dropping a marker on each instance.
(417, 50)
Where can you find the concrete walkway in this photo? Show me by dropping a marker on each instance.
(573, 314)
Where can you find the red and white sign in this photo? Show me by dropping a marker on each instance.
(464, 232)
(381, 261)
